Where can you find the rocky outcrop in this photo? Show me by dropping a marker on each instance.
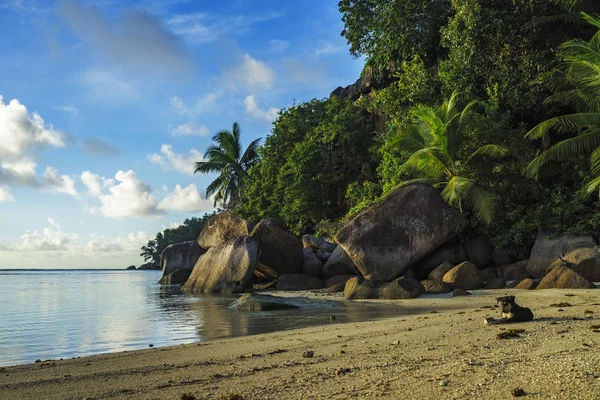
(315, 243)
(438, 273)
(311, 265)
(362, 86)
(435, 286)
(226, 268)
(339, 263)
(494, 283)
(131, 268)
(222, 228)
(385, 239)
(180, 255)
(489, 274)
(514, 272)
(337, 288)
(404, 288)
(585, 261)
(453, 253)
(298, 282)
(149, 266)
(280, 249)
(265, 302)
(564, 278)
(500, 257)
(323, 255)
(177, 277)
(479, 251)
(548, 248)
(464, 276)
(526, 284)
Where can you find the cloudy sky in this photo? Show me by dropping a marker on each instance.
(104, 108)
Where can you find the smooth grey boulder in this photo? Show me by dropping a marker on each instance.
(334, 280)
(177, 277)
(311, 265)
(222, 228)
(339, 263)
(408, 224)
(453, 253)
(513, 272)
(548, 248)
(464, 276)
(438, 273)
(298, 282)
(280, 249)
(226, 268)
(479, 251)
(315, 243)
(494, 283)
(265, 302)
(500, 256)
(489, 274)
(323, 255)
(435, 286)
(585, 261)
(180, 255)
(359, 288)
(526, 284)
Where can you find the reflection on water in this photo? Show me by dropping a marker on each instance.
(62, 314)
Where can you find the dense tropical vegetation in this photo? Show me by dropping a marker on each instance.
(496, 102)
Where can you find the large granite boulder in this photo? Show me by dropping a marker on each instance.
(177, 277)
(514, 272)
(339, 263)
(323, 255)
(298, 282)
(435, 286)
(494, 283)
(453, 253)
(226, 268)
(334, 280)
(311, 265)
(408, 224)
(488, 274)
(359, 288)
(265, 302)
(585, 261)
(180, 255)
(479, 251)
(564, 278)
(464, 276)
(315, 243)
(501, 256)
(548, 248)
(222, 228)
(280, 249)
(526, 284)
(438, 273)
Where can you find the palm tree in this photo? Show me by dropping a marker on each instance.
(225, 156)
(432, 148)
(577, 85)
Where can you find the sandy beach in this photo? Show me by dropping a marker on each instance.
(437, 348)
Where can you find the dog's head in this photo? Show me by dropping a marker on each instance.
(507, 303)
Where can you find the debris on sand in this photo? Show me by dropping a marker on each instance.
(518, 392)
(510, 334)
(563, 304)
(308, 354)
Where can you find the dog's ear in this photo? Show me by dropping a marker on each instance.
(511, 298)
(498, 299)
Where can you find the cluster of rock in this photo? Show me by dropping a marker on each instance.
(403, 246)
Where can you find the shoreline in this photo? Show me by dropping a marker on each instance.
(437, 348)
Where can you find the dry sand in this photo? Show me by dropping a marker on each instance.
(438, 348)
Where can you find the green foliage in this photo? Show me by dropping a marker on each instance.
(361, 195)
(189, 230)
(226, 158)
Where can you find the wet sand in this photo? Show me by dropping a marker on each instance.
(437, 348)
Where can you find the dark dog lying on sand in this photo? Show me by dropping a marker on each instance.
(511, 312)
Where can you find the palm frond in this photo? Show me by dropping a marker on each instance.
(484, 203)
(208, 166)
(426, 163)
(565, 124)
(595, 162)
(492, 150)
(592, 187)
(456, 190)
(251, 153)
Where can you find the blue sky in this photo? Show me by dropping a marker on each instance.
(106, 104)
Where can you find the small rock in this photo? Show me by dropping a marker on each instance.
(342, 371)
(308, 354)
(518, 392)
(150, 345)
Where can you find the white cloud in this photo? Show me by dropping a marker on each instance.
(129, 243)
(250, 74)
(189, 129)
(203, 27)
(47, 240)
(68, 109)
(92, 182)
(178, 104)
(277, 45)
(99, 147)
(106, 85)
(328, 48)
(252, 108)
(134, 38)
(186, 199)
(5, 195)
(53, 223)
(128, 196)
(56, 183)
(168, 159)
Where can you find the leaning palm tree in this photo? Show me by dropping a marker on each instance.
(432, 150)
(577, 84)
(225, 157)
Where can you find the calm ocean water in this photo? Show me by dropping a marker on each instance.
(64, 314)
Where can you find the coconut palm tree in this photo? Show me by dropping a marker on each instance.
(432, 150)
(225, 157)
(577, 85)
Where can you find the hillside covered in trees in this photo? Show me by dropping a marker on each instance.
(494, 102)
